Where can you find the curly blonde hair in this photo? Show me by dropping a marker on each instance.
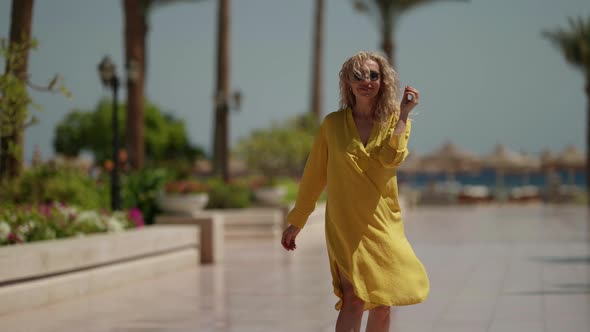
(388, 98)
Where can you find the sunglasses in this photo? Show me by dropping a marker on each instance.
(373, 76)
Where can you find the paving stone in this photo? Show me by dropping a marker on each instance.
(497, 268)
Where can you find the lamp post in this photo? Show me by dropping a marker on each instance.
(108, 76)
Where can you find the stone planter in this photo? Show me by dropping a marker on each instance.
(186, 203)
(43, 258)
(271, 196)
(45, 272)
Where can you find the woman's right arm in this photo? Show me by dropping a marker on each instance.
(312, 182)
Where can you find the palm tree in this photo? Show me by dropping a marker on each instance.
(221, 131)
(575, 45)
(136, 14)
(387, 13)
(317, 67)
(21, 17)
(136, 29)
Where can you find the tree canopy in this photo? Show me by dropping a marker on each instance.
(281, 149)
(165, 136)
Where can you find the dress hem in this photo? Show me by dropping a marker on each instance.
(368, 304)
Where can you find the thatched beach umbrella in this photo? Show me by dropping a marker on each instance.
(548, 165)
(411, 166)
(531, 163)
(571, 159)
(548, 159)
(503, 160)
(450, 159)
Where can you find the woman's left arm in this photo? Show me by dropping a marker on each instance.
(396, 150)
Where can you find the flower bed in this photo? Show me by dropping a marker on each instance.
(53, 221)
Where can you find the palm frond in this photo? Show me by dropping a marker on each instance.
(371, 8)
(152, 4)
(574, 42)
(388, 10)
(405, 5)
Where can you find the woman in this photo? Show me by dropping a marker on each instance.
(356, 153)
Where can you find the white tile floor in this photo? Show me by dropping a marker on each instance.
(492, 269)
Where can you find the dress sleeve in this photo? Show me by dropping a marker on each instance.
(395, 151)
(312, 182)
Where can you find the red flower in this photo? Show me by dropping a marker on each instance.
(186, 187)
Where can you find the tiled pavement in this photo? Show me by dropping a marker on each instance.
(492, 268)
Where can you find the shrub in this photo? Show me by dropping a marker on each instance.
(51, 183)
(228, 196)
(141, 190)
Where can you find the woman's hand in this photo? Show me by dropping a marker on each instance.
(289, 235)
(409, 100)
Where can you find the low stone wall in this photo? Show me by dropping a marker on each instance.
(236, 223)
(211, 232)
(43, 258)
(224, 224)
(44, 272)
(252, 222)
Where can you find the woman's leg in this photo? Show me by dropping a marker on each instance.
(379, 319)
(351, 313)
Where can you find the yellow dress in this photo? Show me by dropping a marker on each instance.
(364, 229)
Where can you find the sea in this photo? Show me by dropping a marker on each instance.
(487, 177)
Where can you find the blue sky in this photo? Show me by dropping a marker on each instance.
(485, 73)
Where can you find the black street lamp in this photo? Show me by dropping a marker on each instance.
(108, 76)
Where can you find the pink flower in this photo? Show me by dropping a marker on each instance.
(136, 216)
(45, 209)
(14, 238)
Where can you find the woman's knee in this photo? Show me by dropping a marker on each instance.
(381, 311)
(350, 299)
(352, 302)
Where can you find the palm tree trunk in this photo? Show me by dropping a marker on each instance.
(588, 138)
(21, 18)
(387, 43)
(316, 82)
(135, 35)
(220, 136)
